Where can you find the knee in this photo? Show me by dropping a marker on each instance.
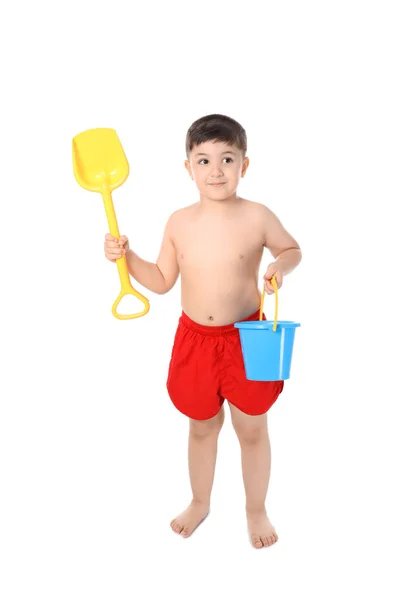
(250, 435)
(208, 428)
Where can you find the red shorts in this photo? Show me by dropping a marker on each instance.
(207, 367)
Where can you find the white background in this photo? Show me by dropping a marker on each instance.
(93, 454)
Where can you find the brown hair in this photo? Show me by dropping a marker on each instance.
(216, 128)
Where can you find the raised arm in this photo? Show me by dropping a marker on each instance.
(158, 277)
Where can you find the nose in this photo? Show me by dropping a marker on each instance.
(216, 170)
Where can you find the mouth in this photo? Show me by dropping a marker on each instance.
(217, 184)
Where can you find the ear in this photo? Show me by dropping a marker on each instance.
(188, 167)
(246, 162)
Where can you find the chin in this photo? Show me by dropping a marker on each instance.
(220, 194)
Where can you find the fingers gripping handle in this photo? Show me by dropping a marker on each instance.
(126, 287)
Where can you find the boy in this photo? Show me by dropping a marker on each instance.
(216, 245)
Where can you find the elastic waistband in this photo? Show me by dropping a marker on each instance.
(217, 330)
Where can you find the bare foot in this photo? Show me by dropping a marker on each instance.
(191, 518)
(262, 533)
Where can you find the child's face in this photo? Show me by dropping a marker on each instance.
(216, 169)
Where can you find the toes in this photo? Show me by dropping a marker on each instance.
(175, 526)
(263, 541)
(257, 541)
(274, 537)
(184, 532)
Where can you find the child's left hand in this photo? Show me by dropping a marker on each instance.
(273, 271)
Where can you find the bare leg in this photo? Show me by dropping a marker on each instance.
(202, 455)
(252, 433)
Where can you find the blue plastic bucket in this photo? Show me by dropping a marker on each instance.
(267, 346)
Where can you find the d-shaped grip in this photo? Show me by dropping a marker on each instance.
(127, 288)
(132, 292)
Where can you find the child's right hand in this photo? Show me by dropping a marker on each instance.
(115, 248)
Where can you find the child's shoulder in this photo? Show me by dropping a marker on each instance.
(252, 204)
(180, 216)
(185, 210)
(257, 208)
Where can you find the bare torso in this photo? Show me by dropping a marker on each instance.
(219, 254)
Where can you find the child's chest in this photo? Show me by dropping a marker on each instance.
(220, 245)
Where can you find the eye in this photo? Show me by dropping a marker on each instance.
(228, 159)
(203, 161)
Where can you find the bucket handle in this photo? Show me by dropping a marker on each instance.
(274, 284)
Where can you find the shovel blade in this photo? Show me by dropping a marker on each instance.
(99, 160)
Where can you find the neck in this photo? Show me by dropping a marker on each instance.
(209, 204)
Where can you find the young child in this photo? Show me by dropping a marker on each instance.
(217, 245)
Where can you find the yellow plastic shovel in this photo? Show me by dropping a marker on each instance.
(100, 165)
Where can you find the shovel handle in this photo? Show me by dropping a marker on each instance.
(126, 287)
